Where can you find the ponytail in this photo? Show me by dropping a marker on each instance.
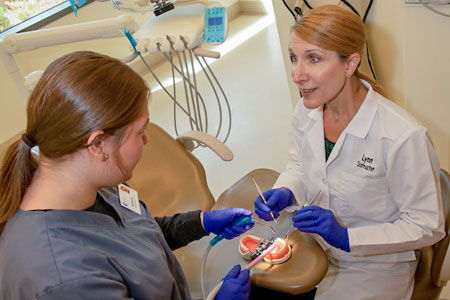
(78, 93)
(16, 173)
(376, 87)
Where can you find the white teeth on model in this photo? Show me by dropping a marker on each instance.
(307, 91)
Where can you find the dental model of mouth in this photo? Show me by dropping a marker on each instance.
(251, 246)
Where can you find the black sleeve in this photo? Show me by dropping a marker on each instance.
(181, 229)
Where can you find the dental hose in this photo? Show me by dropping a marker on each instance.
(202, 270)
(240, 222)
(218, 238)
(216, 289)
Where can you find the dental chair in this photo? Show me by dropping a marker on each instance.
(433, 269)
(169, 179)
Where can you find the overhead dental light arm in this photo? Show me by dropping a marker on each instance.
(107, 28)
(158, 7)
(20, 42)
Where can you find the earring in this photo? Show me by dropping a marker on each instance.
(104, 156)
(348, 75)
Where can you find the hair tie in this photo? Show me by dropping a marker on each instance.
(29, 142)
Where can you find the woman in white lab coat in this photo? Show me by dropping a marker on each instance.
(373, 163)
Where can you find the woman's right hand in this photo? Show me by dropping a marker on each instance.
(236, 285)
(277, 200)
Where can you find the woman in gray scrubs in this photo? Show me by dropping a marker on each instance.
(69, 228)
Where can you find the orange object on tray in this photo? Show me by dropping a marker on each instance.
(251, 246)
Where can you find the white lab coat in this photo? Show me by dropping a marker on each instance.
(382, 182)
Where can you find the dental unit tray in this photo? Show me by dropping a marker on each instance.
(155, 34)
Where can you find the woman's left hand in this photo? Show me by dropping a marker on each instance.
(221, 222)
(323, 222)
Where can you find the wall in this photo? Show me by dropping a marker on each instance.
(410, 47)
(284, 22)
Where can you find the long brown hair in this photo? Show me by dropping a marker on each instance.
(334, 28)
(78, 93)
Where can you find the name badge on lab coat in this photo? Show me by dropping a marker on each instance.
(129, 198)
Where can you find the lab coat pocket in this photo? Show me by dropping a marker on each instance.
(362, 198)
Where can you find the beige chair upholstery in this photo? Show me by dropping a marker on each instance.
(301, 273)
(169, 178)
(308, 263)
(428, 281)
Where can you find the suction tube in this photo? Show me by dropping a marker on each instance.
(217, 239)
(202, 270)
(216, 289)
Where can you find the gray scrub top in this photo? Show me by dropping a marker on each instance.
(75, 254)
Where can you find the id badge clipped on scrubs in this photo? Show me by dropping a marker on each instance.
(129, 198)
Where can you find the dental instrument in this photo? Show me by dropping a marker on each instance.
(241, 222)
(259, 258)
(216, 289)
(263, 198)
(163, 35)
(247, 245)
(304, 205)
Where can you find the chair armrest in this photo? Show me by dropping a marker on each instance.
(441, 263)
(187, 138)
(444, 275)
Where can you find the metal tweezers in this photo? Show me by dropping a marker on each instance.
(304, 205)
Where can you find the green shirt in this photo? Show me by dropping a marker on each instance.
(328, 148)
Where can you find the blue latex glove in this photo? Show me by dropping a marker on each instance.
(277, 200)
(236, 285)
(323, 222)
(221, 222)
